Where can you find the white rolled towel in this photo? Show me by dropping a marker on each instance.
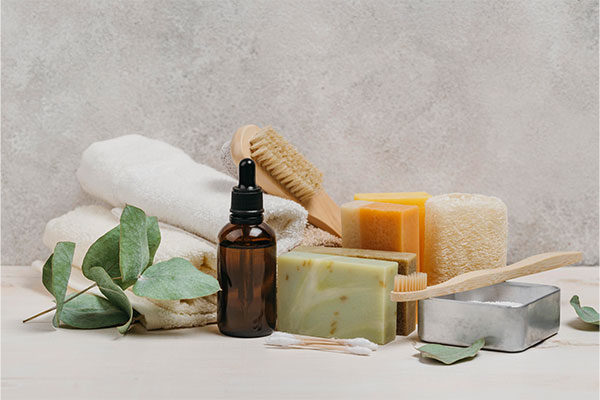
(164, 181)
(86, 224)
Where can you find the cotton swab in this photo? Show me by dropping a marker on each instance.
(281, 340)
(358, 346)
(297, 339)
(360, 342)
(361, 351)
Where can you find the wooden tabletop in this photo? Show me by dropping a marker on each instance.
(39, 361)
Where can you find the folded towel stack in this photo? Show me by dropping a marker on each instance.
(165, 182)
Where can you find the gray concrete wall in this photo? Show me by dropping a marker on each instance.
(492, 97)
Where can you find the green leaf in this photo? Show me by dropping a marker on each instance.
(133, 245)
(175, 279)
(104, 253)
(88, 311)
(450, 354)
(153, 233)
(56, 273)
(587, 314)
(47, 275)
(114, 294)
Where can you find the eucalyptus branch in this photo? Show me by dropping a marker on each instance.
(129, 247)
(66, 301)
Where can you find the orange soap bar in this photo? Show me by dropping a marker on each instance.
(380, 226)
(407, 198)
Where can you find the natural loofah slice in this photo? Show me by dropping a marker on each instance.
(463, 232)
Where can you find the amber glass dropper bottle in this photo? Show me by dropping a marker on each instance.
(246, 263)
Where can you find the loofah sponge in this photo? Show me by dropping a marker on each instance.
(463, 232)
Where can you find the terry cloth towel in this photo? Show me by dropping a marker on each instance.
(165, 182)
(86, 224)
(314, 236)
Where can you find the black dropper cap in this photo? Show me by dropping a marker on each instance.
(246, 197)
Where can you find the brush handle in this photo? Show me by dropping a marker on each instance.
(487, 277)
(324, 213)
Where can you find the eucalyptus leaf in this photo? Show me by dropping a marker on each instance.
(134, 254)
(587, 314)
(56, 273)
(47, 275)
(104, 253)
(88, 311)
(450, 354)
(153, 233)
(114, 294)
(175, 279)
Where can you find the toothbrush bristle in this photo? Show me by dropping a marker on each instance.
(286, 164)
(410, 283)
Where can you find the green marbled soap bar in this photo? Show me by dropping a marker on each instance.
(406, 312)
(333, 296)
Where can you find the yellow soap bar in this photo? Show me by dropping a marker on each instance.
(407, 198)
(380, 226)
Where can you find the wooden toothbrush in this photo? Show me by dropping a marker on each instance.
(282, 171)
(487, 277)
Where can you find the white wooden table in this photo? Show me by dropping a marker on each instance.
(39, 361)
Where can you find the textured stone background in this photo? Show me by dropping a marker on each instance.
(493, 97)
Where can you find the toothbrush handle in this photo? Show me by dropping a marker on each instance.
(486, 277)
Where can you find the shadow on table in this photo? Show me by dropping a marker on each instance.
(140, 332)
(435, 363)
(578, 324)
(40, 325)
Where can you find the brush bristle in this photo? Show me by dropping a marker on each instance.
(410, 283)
(285, 164)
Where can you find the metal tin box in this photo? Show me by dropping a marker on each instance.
(462, 318)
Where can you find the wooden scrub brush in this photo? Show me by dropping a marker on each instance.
(282, 171)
